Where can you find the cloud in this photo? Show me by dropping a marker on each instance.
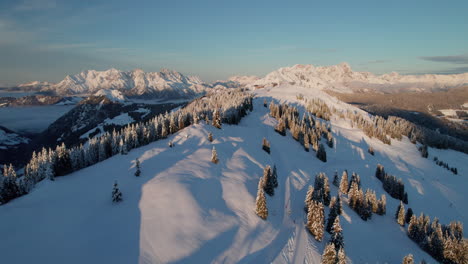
(377, 61)
(456, 59)
(34, 5)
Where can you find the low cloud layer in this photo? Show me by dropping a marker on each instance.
(456, 59)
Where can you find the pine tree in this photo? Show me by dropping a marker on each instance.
(321, 153)
(214, 156)
(261, 207)
(315, 220)
(308, 199)
(274, 177)
(337, 234)
(344, 182)
(269, 186)
(137, 165)
(400, 214)
(408, 215)
(266, 145)
(329, 254)
(336, 180)
(216, 119)
(341, 257)
(408, 259)
(116, 194)
(332, 215)
(210, 137)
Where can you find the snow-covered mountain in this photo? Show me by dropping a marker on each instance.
(113, 95)
(185, 209)
(341, 78)
(164, 84)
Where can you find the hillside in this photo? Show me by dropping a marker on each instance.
(185, 209)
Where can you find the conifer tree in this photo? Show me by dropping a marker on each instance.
(408, 259)
(216, 119)
(116, 194)
(332, 215)
(321, 153)
(269, 186)
(266, 145)
(408, 215)
(308, 199)
(336, 180)
(341, 257)
(329, 254)
(337, 234)
(214, 156)
(274, 177)
(137, 165)
(344, 182)
(261, 207)
(400, 214)
(315, 220)
(210, 137)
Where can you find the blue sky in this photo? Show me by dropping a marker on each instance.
(48, 39)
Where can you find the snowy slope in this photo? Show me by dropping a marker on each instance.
(113, 95)
(185, 209)
(341, 78)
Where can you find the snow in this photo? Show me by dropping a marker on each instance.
(341, 78)
(120, 120)
(31, 119)
(143, 111)
(11, 139)
(185, 209)
(113, 95)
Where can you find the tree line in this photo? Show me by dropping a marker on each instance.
(219, 107)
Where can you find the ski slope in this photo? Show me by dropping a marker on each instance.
(185, 209)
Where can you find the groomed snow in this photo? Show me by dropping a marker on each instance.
(185, 209)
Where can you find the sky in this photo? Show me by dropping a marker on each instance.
(46, 40)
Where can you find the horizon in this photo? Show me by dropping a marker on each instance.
(45, 40)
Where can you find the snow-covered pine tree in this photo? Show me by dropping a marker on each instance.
(409, 214)
(371, 151)
(306, 142)
(116, 194)
(329, 255)
(266, 145)
(332, 215)
(315, 220)
(382, 205)
(341, 259)
(210, 137)
(214, 156)
(261, 207)
(336, 181)
(274, 177)
(137, 165)
(337, 234)
(216, 119)
(123, 147)
(400, 214)
(408, 259)
(308, 199)
(344, 182)
(321, 153)
(268, 186)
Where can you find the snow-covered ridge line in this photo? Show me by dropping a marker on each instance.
(341, 78)
(227, 107)
(166, 83)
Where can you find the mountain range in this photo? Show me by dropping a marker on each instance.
(172, 84)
